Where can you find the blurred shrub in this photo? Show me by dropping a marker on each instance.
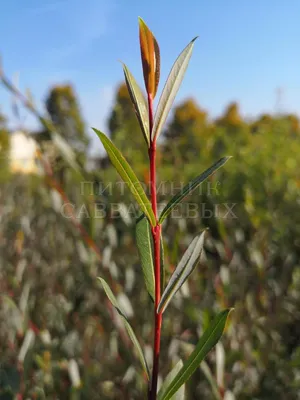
(57, 337)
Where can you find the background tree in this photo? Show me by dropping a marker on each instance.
(231, 118)
(274, 125)
(185, 132)
(229, 130)
(65, 113)
(262, 124)
(294, 122)
(4, 147)
(64, 110)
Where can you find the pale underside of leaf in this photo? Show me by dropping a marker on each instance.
(127, 174)
(185, 267)
(209, 376)
(192, 185)
(208, 340)
(171, 88)
(145, 248)
(139, 103)
(128, 327)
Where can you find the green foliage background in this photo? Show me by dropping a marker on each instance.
(251, 262)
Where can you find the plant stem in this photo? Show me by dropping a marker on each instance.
(156, 234)
(157, 316)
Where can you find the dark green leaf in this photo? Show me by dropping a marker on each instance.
(145, 247)
(190, 187)
(208, 340)
(128, 176)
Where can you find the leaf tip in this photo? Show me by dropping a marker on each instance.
(100, 279)
(102, 282)
(141, 21)
(227, 313)
(98, 133)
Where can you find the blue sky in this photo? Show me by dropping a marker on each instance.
(246, 50)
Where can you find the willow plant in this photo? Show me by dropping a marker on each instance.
(149, 224)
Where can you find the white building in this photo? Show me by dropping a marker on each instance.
(23, 153)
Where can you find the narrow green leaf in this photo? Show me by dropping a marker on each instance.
(138, 348)
(128, 176)
(192, 185)
(208, 340)
(111, 297)
(128, 327)
(139, 103)
(171, 88)
(180, 394)
(145, 248)
(183, 270)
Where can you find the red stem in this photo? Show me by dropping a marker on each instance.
(156, 233)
